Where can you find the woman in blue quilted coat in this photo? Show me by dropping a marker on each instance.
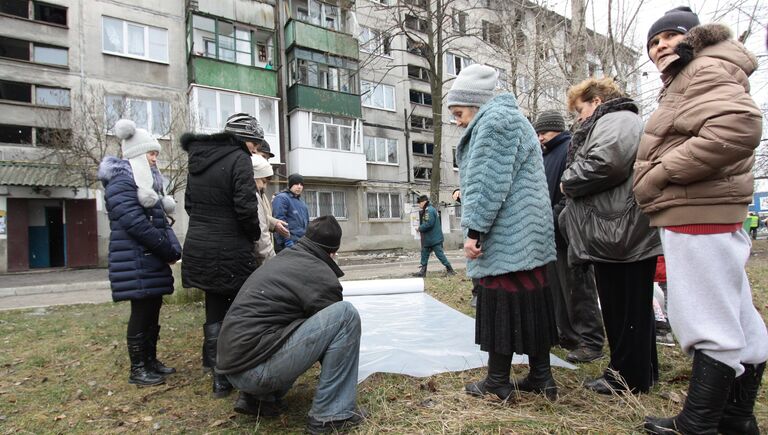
(142, 245)
(507, 216)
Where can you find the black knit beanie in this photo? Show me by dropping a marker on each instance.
(295, 179)
(550, 120)
(325, 231)
(680, 19)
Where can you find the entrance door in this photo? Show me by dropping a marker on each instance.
(18, 234)
(54, 220)
(81, 231)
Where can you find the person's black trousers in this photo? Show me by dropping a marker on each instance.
(626, 300)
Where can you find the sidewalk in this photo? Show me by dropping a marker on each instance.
(83, 286)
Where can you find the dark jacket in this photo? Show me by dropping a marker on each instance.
(555, 153)
(141, 242)
(429, 226)
(274, 301)
(222, 206)
(601, 220)
(694, 163)
(289, 208)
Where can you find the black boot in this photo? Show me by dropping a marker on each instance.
(497, 381)
(707, 396)
(137, 351)
(248, 404)
(221, 385)
(738, 415)
(449, 271)
(539, 379)
(152, 362)
(421, 273)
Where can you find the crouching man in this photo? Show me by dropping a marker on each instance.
(287, 316)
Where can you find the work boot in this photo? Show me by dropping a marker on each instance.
(221, 386)
(153, 363)
(539, 379)
(137, 352)
(421, 273)
(738, 415)
(315, 426)
(708, 394)
(248, 404)
(583, 354)
(497, 380)
(449, 271)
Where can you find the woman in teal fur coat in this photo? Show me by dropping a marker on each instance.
(509, 239)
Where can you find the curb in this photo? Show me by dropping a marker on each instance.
(53, 288)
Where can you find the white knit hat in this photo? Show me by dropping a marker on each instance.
(261, 167)
(473, 86)
(137, 142)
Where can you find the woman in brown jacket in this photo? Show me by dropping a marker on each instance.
(693, 178)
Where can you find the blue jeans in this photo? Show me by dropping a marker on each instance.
(332, 336)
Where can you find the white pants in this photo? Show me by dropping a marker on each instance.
(709, 298)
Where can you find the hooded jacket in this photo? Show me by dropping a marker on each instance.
(283, 293)
(141, 242)
(694, 162)
(504, 191)
(222, 206)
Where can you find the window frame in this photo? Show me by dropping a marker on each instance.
(387, 142)
(146, 32)
(31, 16)
(426, 123)
(425, 148)
(492, 33)
(238, 107)
(427, 171)
(421, 97)
(327, 126)
(367, 90)
(127, 103)
(382, 42)
(34, 135)
(423, 73)
(313, 206)
(389, 196)
(450, 62)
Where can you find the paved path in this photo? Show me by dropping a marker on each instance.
(68, 287)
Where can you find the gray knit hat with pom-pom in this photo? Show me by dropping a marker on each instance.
(136, 141)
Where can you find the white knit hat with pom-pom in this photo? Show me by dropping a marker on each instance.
(136, 141)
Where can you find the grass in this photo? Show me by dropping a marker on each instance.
(64, 369)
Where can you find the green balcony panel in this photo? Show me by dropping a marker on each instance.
(324, 101)
(318, 38)
(225, 75)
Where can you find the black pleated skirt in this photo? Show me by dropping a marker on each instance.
(515, 313)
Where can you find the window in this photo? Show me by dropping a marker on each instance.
(331, 132)
(419, 3)
(323, 203)
(415, 23)
(322, 71)
(125, 38)
(374, 42)
(420, 173)
(23, 135)
(47, 13)
(418, 73)
(455, 63)
(421, 123)
(52, 137)
(380, 149)
(14, 91)
(17, 134)
(230, 42)
(378, 96)
(381, 2)
(460, 22)
(423, 148)
(30, 51)
(214, 107)
(523, 84)
(419, 97)
(49, 54)
(501, 81)
(416, 47)
(383, 205)
(48, 96)
(29, 93)
(151, 115)
(455, 161)
(491, 33)
(320, 14)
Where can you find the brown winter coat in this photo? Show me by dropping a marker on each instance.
(695, 159)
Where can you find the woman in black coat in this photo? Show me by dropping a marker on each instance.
(223, 224)
(142, 245)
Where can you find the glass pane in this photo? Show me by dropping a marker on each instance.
(55, 56)
(226, 55)
(389, 97)
(206, 99)
(321, 118)
(333, 137)
(138, 113)
(161, 118)
(384, 205)
(392, 151)
(14, 91)
(114, 109)
(318, 135)
(112, 35)
(395, 202)
(15, 134)
(52, 96)
(226, 30)
(344, 85)
(267, 115)
(226, 107)
(373, 210)
(204, 23)
(314, 12)
(18, 8)
(244, 46)
(381, 149)
(346, 138)
(333, 79)
(325, 203)
(369, 145)
(310, 198)
(243, 34)
(248, 105)
(312, 74)
(243, 58)
(342, 121)
(135, 40)
(339, 205)
(158, 44)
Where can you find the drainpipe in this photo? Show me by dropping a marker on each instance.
(282, 106)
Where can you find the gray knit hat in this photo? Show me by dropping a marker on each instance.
(680, 19)
(550, 120)
(473, 86)
(136, 141)
(245, 127)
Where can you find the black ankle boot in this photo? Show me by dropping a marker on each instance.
(421, 273)
(449, 271)
(707, 396)
(137, 351)
(153, 363)
(248, 404)
(497, 381)
(738, 415)
(221, 386)
(539, 378)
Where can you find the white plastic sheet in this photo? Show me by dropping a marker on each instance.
(409, 332)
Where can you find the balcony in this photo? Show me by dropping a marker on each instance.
(321, 39)
(226, 75)
(324, 101)
(328, 164)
